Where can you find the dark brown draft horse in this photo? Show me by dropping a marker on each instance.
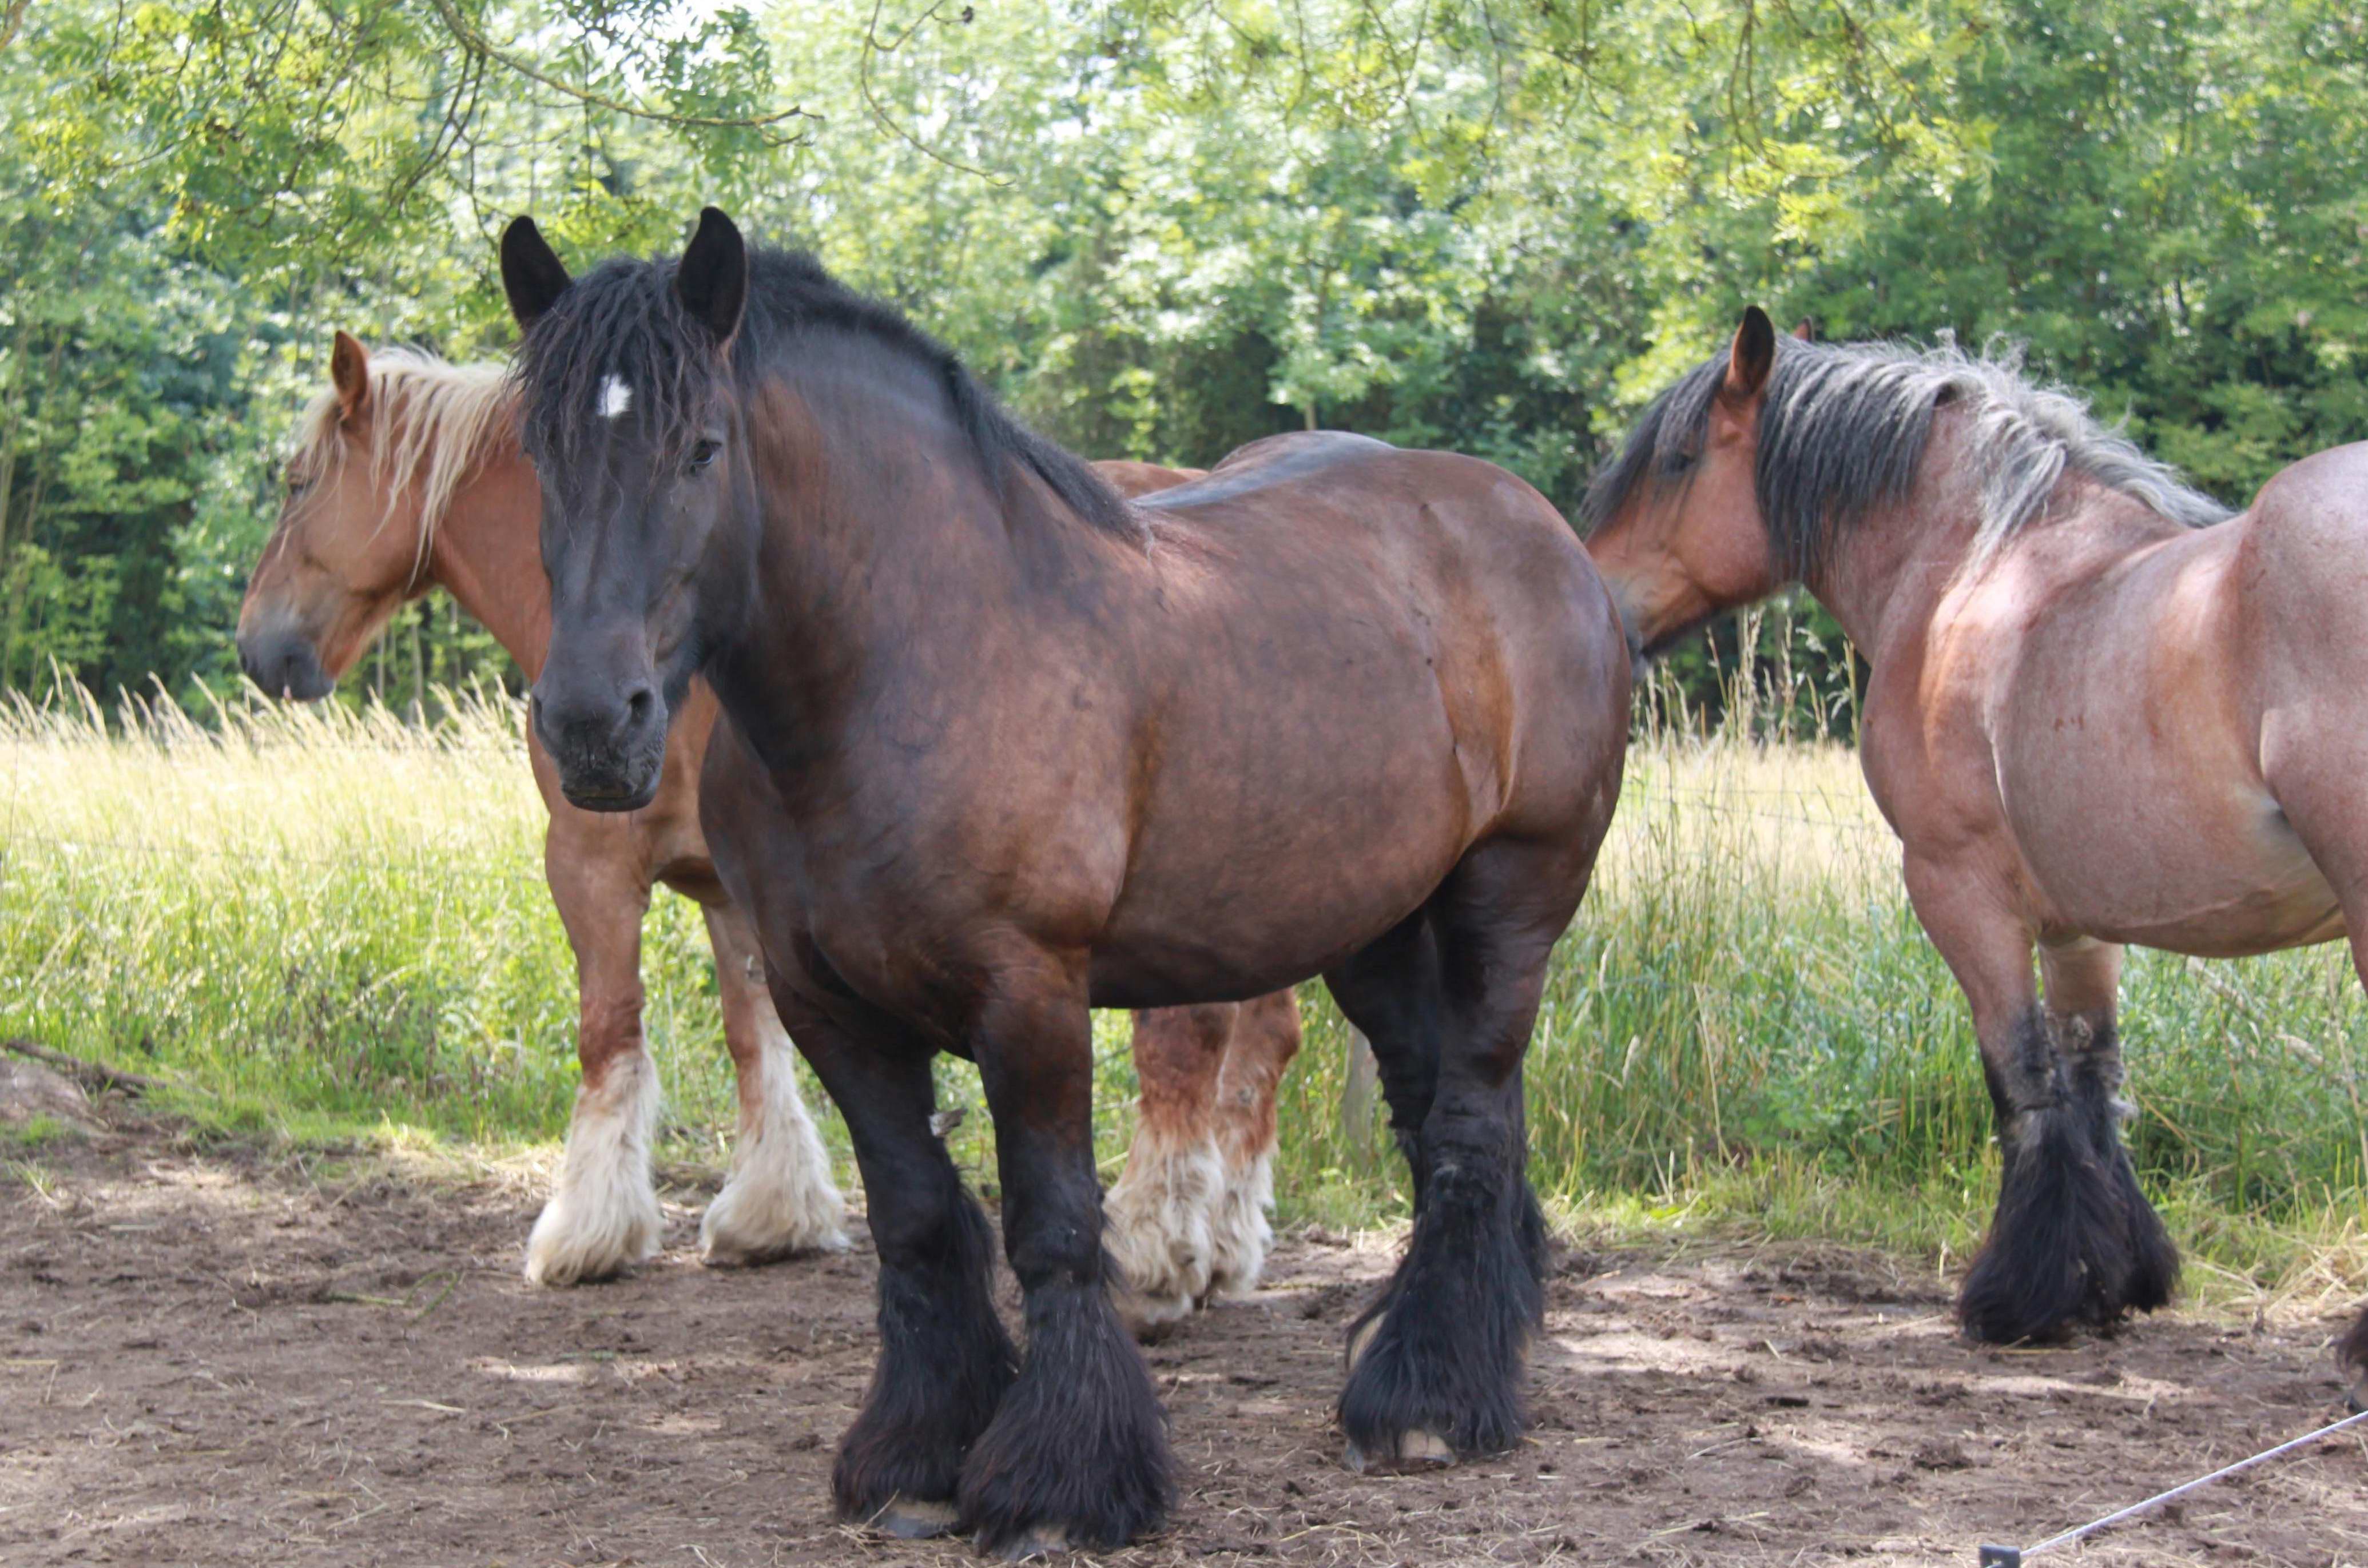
(406, 475)
(1005, 747)
(2101, 711)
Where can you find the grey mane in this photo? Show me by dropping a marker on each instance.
(1843, 432)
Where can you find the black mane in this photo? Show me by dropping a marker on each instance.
(622, 319)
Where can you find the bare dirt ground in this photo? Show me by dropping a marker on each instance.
(207, 1357)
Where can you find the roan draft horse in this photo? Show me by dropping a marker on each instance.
(1005, 746)
(2101, 710)
(406, 475)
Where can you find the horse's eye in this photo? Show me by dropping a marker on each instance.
(703, 454)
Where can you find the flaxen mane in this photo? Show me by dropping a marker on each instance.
(1843, 432)
(434, 423)
(620, 322)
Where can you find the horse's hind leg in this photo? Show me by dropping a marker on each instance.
(1161, 1208)
(1436, 1364)
(2322, 784)
(2059, 1251)
(1077, 1456)
(779, 1200)
(2083, 978)
(2351, 1350)
(1265, 1039)
(603, 1211)
(944, 1360)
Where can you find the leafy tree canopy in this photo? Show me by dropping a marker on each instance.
(1163, 228)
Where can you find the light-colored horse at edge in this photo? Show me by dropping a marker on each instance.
(2101, 710)
(406, 475)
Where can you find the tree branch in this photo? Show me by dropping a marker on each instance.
(465, 33)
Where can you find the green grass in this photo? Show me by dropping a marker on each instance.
(324, 927)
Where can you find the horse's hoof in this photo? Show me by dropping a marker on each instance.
(1039, 1540)
(1417, 1451)
(914, 1518)
(1149, 1317)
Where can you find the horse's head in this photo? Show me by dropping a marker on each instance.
(1674, 523)
(631, 419)
(345, 553)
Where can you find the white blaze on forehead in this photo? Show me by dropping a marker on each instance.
(616, 397)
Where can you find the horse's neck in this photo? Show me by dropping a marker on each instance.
(887, 558)
(1894, 572)
(1885, 578)
(487, 554)
(1884, 575)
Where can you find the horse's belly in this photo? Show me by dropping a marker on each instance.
(2221, 879)
(1276, 903)
(2130, 769)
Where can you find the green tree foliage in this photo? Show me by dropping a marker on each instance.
(1163, 229)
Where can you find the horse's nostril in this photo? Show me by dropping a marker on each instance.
(267, 667)
(638, 703)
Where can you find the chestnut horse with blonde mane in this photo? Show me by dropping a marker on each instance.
(407, 476)
(2102, 711)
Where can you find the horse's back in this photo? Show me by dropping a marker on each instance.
(1351, 494)
(1134, 479)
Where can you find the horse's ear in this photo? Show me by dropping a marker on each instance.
(350, 374)
(532, 274)
(713, 280)
(1753, 355)
(1805, 330)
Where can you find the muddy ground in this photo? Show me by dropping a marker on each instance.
(207, 1357)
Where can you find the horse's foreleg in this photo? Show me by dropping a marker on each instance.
(1391, 993)
(1265, 1037)
(1161, 1209)
(779, 1200)
(2059, 1253)
(1077, 1456)
(2083, 979)
(944, 1360)
(603, 1211)
(1435, 1366)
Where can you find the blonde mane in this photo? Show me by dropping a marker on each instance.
(435, 423)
